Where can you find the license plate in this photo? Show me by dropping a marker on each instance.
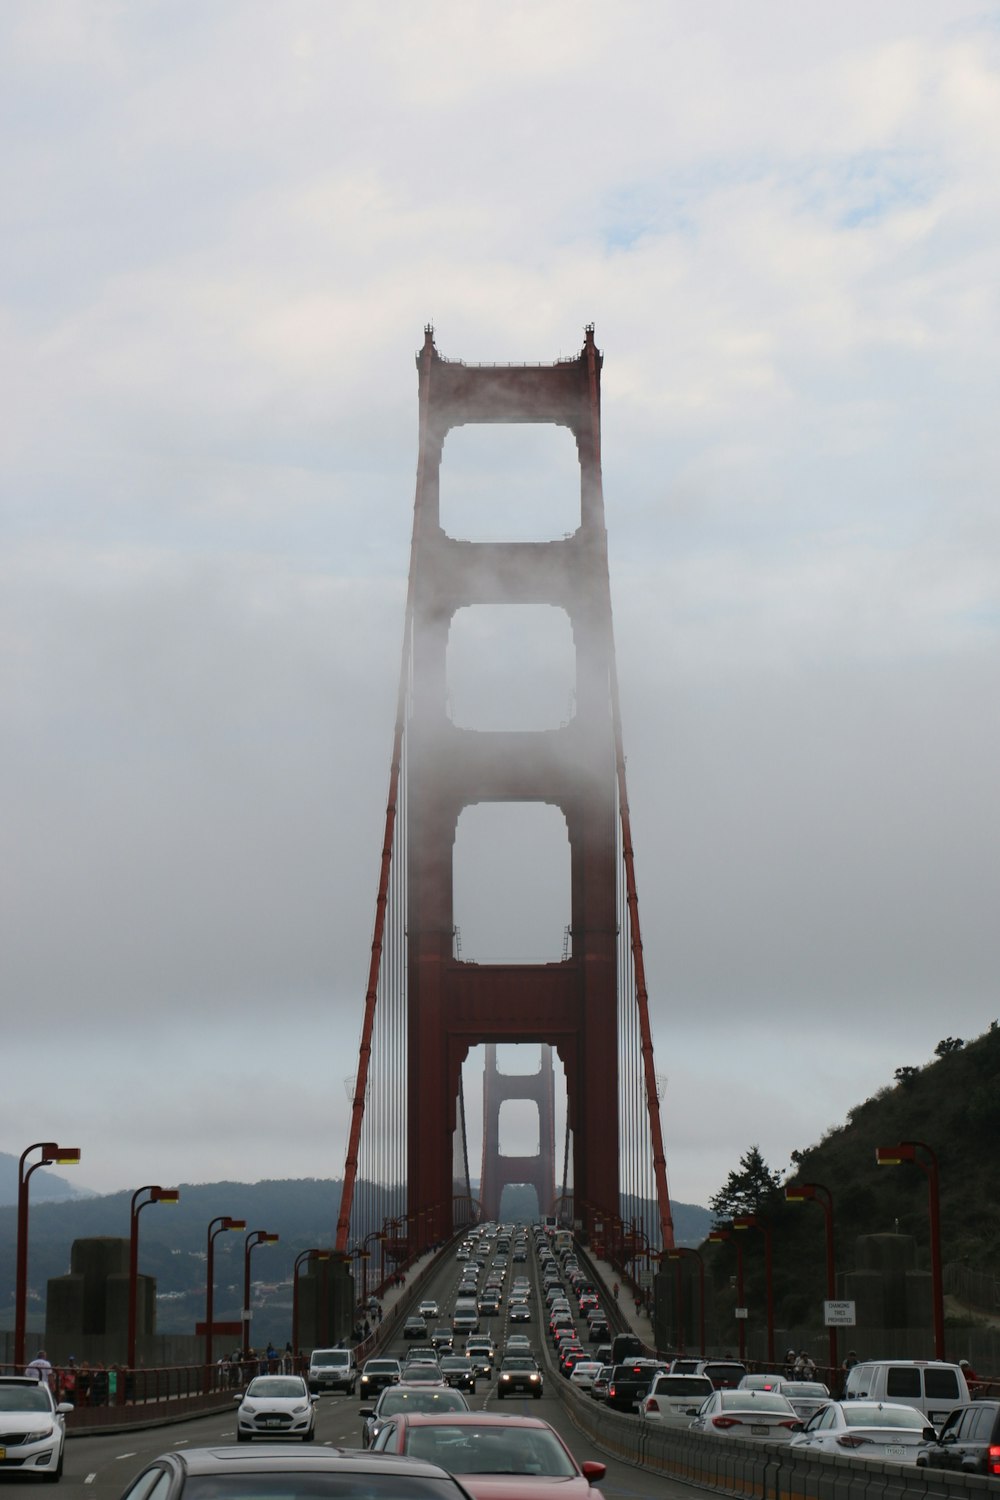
(273, 1422)
(3, 1452)
(896, 1452)
(759, 1429)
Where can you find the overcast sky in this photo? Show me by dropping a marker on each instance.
(224, 226)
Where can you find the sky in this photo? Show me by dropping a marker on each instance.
(224, 228)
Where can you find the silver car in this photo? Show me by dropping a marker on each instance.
(867, 1429)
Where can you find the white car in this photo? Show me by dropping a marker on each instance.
(672, 1400)
(584, 1373)
(867, 1429)
(428, 1309)
(748, 1414)
(276, 1406)
(32, 1427)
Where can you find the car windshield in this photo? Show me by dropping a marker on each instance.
(382, 1366)
(856, 1415)
(296, 1485)
(682, 1385)
(271, 1386)
(441, 1399)
(522, 1362)
(333, 1357)
(489, 1450)
(25, 1398)
(804, 1388)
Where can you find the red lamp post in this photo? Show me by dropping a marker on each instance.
(299, 1260)
(815, 1192)
(894, 1156)
(678, 1253)
(52, 1155)
(751, 1221)
(157, 1194)
(254, 1238)
(719, 1237)
(216, 1227)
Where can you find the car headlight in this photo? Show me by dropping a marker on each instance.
(504, 1377)
(248, 1409)
(534, 1377)
(40, 1435)
(298, 1410)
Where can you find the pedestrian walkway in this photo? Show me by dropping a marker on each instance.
(637, 1319)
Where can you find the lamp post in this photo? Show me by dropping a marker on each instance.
(751, 1221)
(299, 1259)
(815, 1192)
(254, 1238)
(52, 1155)
(157, 1194)
(678, 1254)
(894, 1156)
(216, 1227)
(724, 1236)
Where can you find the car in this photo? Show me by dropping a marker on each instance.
(519, 1374)
(519, 1312)
(747, 1415)
(517, 1343)
(403, 1397)
(422, 1372)
(494, 1454)
(481, 1349)
(489, 1304)
(583, 1374)
(806, 1396)
(421, 1354)
(332, 1370)
(276, 1406)
(968, 1442)
(459, 1371)
(415, 1327)
(442, 1338)
(277, 1470)
(932, 1386)
(599, 1387)
(630, 1381)
(378, 1373)
(598, 1329)
(725, 1374)
(672, 1400)
(429, 1308)
(32, 1428)
(867, 1429)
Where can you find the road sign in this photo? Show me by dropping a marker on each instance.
(742, 1312)
(645, 1278)
(839, 1314)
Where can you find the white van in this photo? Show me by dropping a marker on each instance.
(466, 1316)
(332, 1370)
(931, 1386)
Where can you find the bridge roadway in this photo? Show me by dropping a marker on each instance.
(101, 1466)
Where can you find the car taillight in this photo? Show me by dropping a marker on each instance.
(726, 1422)
(852, 1440)
(993, 1459)
(791, 1422)
(652, 1404)
(611, 1390)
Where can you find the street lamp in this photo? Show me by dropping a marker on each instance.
(378, 1235)
(815, 1192)
(157, 1194)
(52, 1155)
(723, 1236)
(751, 1221)
(254, 1238)
(678, 1254)
(894, 1156)
(299, 1259)
(216, 1226)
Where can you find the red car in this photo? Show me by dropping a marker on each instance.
(495, 1457)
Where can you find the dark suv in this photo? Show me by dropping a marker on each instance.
(969, 1441)
(630, 1382)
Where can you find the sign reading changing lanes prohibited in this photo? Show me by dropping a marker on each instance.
(839, 1314)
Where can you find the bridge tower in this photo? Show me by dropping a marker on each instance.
(455, 1005)
(538, 1170)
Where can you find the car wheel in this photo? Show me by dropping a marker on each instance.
(499, 1395)
(307, 1437)
(537, 1395)
(472, 1388)
(242, 1437)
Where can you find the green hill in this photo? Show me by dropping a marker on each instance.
(953, 1105)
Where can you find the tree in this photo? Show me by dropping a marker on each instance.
(906, 1075)
(949, 1044)
(748, 1190)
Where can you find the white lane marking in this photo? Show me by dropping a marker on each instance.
(90, 1479)
(179, 1442)
(124, 1455)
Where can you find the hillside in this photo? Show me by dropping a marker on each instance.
(46, 1186)
(952, 1104)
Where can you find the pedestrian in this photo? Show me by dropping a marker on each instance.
(850, 1361)
(40, 1368)
(789, 1367)
(614, 1291)
(967, 1371)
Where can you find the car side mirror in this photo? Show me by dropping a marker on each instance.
(366, 1411)
(593, 1471)
(237, 1399)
